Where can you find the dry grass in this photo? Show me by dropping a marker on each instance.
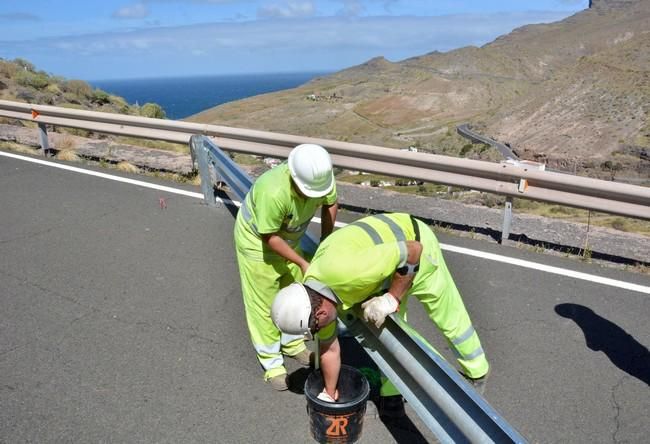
(16, 147)
(195, 180)
(67, 155)
(66, 146)
(127, 167)
(66, 142)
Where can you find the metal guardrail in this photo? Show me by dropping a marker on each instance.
(504, 179)
(447, 405)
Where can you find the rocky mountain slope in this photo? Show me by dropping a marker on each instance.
(574, 94)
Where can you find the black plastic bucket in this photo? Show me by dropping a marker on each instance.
(341, 421)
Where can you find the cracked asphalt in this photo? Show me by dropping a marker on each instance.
(122, 322)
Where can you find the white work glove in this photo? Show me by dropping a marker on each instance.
(376, 309)
(324, 396)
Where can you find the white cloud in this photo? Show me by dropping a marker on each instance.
(271, 45)
(351, 8)
(292, 9)
(135, 11)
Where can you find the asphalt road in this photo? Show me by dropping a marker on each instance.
(122, 321)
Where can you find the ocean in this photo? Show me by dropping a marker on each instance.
(183, 96)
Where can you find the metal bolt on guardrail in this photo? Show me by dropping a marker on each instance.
(447, 405)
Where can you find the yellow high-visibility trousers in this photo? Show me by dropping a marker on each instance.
(442, 302)
(260, 282)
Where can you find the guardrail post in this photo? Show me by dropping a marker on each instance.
(200, 155)
(42, 135)
(507, 220)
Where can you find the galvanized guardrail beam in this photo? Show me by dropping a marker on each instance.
(504, 179)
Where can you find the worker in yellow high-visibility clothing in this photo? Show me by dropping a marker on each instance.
(269, 225)
(378, 261)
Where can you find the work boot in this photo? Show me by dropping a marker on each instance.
(279, 382)
(478, 383)
(304, 358)
(391, 407)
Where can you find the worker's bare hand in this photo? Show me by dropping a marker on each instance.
(376, 309)
(304, 266)
(324, 396)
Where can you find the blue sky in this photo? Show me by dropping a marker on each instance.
(113, 39)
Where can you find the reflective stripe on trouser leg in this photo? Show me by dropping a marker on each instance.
(445, 307)
(260, 282)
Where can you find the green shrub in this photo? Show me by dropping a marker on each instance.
(79, 88)
(120, 104)
(24, 64)
(100, 97)
(560, 210)
(606, 165)
(72, 98)
(620, 224)
(31, 79)
(152, 110)
(465, 149)
(525, 204)
(53, 88)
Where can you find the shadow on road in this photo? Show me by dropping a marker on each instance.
(621, 348)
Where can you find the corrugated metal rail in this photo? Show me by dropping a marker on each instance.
(504, 179)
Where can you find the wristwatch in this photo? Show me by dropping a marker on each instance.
(408, 269)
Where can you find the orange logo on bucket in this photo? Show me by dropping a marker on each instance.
(337, 426)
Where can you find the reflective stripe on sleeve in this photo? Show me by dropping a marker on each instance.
(376, 238)
(396, 229)
(403, 254)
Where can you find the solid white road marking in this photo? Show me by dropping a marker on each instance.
(548, 268)
(455, 249)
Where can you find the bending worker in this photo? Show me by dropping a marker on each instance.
(269, 225)
(378, 261)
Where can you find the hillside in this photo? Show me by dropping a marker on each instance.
(574, 94)
(21, 81)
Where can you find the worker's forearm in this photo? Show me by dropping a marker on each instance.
(400, 284)
(328, 218)
(280, 246)
(330, 361)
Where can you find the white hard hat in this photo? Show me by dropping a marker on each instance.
(311, 169)
(291, 310)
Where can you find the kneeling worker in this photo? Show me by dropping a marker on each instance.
(378, 261)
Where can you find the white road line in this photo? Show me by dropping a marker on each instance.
(104, 175)
(548, 269)
(455, 249)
